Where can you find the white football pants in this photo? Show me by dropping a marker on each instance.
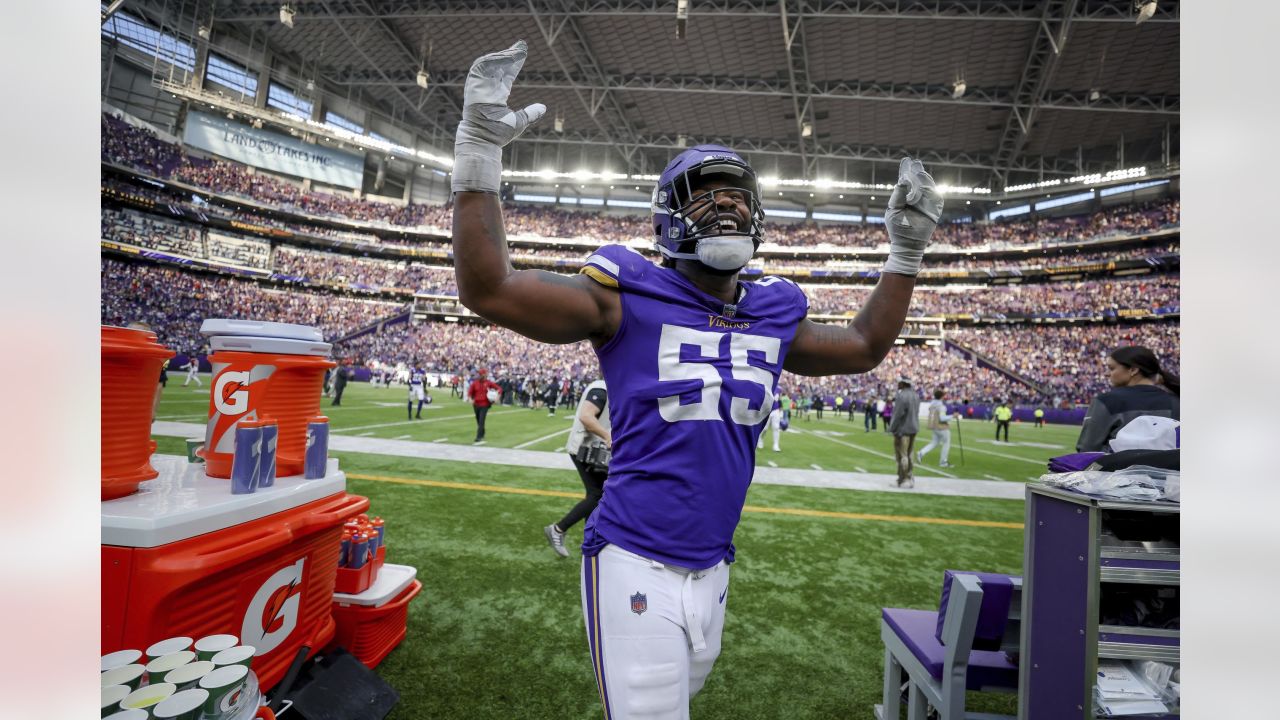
(940, 437)
(654, 632)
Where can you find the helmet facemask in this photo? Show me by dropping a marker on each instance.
(691, 225)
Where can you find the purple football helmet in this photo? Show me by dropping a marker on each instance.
(676, 234)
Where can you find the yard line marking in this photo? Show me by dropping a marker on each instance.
(815, 466)
(1005, 455)
(772, 463)
(365, 434)
(439, 439)
(991, 477)
(859, 469)
(402, 437)
(886, 456)
(800, 512)
(521, 446)
(410, 422)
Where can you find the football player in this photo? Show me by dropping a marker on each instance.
(691, 356)
(418, 389)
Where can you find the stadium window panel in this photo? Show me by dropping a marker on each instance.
(282, 98)
(232, 75)
(380, 138)
(875, 219)
(1130, 188)
(838, 217)
(139, 35)
(779, 212)
(590, 201)
(1066, 200)
(333, 119)
(536, 198)
(1010, 212)
(629, 203)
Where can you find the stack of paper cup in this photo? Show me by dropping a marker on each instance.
(184, 705)
(130, 675)
(147, 696)
(226, 686)
(170, 645)
(111, 697)
(188, 676)
(120, 657)
(238, 655)
(207, 647)
(156, 669)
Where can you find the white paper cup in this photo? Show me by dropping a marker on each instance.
(164, 647)
(130, 675)
(188, 676)
(226, 686)
(207, 647)
(111, 697)
(147, 696)
(129, 715)
(238, 655)
(184, 705)
(120, 657)
(156, 669)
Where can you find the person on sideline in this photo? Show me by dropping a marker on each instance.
(904, 424)
(939, 424)
(590, 428)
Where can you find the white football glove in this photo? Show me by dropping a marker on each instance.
(914, 209)
(487, 123)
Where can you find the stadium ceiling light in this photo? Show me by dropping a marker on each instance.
(559, 122)
(286, 15)
(1094, 95)
(203, 31)
(957, 89)
(806, 129)
(682, 17)
(423, 79)
(1145, 8)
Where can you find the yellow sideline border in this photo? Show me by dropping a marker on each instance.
(799, 512)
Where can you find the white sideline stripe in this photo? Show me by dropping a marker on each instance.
(365, 434)
(815, 466)
(991, 477)
(772, 464)
(795, 477)
(412, 422)
(439, 439)
(535, 441)
(401, 437)
(859, 469)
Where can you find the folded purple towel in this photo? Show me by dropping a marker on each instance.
(1073, 462)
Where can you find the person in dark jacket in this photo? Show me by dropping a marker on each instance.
(1142, 387)
(340, 378)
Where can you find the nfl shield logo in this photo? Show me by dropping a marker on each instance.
(639, 603)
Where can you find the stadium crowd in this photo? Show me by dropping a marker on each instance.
(126, 144)
(175, 302)
(331, 268)
(1070, 359)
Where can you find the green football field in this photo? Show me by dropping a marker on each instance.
(497, 631)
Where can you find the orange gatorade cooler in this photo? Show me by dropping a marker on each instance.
(185, 557)
(263, 370)
(131, 362)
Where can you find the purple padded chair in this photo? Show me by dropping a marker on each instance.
(970, 643)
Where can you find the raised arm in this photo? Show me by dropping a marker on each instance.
(914, 209)
(538, 304)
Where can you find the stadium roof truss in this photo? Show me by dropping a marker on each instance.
(839, 89)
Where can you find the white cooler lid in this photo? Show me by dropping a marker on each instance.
(183, 502)
(260, 328)
(391, 581)
(246, 343)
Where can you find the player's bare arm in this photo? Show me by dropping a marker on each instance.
(914, 209)
(538, 304)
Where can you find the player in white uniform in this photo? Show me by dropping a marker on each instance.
(192, 367)
(775, 425)
(940, 423)
(418, 390)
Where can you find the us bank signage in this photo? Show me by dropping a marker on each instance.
(273, 151)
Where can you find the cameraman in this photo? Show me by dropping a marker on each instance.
(589, 443)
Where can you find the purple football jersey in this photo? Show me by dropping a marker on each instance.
(691, 383)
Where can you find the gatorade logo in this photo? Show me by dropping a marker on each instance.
(272, 614)
(231, 393)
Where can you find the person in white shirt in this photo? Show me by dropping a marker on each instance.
(192, 367)
(939, 423)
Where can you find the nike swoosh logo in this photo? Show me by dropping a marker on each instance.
(726, 592)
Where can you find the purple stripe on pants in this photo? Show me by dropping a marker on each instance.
(591, 586)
